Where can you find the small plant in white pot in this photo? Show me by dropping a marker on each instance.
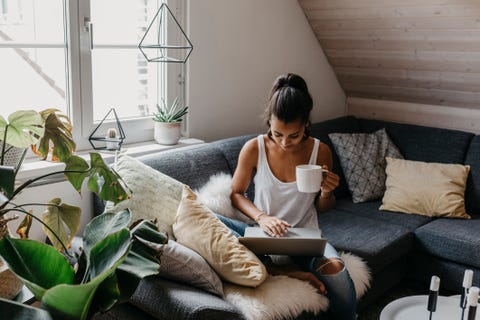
(168, 121)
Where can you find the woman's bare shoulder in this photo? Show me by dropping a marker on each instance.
(324, 155)
(251, 146)
(249, 152)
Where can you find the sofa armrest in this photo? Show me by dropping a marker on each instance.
(169, 300)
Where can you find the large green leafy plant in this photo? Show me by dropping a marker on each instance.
(114, 257)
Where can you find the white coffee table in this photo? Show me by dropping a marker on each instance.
(415, 307)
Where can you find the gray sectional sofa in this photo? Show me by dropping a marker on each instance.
(396, 246)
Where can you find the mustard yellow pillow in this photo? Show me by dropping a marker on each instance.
(428, 189)
(197, 228)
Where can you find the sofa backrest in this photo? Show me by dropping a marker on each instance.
(190, 165)
(421, 143)
(472, 194)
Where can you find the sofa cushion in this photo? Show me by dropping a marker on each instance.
(472, 194)
(428, 189)
(371, 210)
(455, 240)
(155, 196)
(348, 124)
(191, 165)
(362, 156)
(168, 300)
(381, 237)
(182, 264)
(422, 143)
(197, 228)
(380, 243)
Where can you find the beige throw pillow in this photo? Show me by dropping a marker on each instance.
(428, 189)
(197, 228)
(154, 194)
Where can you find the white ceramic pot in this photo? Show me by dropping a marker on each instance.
(167, 133)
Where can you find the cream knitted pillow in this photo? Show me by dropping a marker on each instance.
(154, 194)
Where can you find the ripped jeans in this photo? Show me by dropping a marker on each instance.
(340, 289)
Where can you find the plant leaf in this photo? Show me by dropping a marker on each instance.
(103, 225)
(39, 265)
(58, 132)
(74, 301)
(76, 163)
(107, 294)
(107, 251)
(104, 181)
(16, 310)
(63, 219)
(24, 128)
(24, 227)
(143, 258)
(7, 180)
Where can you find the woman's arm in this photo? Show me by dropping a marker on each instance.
(326, 199)
(247, 163)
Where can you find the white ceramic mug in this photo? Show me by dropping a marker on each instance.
(309, 177)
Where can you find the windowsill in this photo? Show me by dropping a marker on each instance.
(32, 168)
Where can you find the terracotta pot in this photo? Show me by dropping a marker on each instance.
(10, 284)
(167, 133)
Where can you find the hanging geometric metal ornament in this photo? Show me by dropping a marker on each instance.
(110, 138)
(166, 41)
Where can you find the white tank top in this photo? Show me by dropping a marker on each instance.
(282, 199)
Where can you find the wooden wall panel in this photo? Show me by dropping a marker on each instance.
(418, 51)
(415, 113)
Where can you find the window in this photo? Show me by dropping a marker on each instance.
(32, 55)
(82, 57)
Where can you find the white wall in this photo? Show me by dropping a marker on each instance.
(45, 193)
(240, 47)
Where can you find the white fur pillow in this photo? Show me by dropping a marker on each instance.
(215, 194)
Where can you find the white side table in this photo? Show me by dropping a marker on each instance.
(415, 307)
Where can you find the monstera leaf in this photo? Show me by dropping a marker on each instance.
(23, 128)
(63, 219)
(101, 179)
(58, 136)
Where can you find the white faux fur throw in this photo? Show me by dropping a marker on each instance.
(281, 297)
(215, 194)
(278, 297)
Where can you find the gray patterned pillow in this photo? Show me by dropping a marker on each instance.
(182, 264)
(362, 157)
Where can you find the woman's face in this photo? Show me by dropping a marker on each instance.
(287, 135)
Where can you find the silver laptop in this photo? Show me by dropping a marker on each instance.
(296, 242)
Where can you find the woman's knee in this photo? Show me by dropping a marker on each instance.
(329, 266)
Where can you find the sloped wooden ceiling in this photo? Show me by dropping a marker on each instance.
(420, 51)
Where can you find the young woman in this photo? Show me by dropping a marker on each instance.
(271, 160)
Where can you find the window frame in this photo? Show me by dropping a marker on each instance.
(80, 60)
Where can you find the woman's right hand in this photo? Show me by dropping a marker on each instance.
(273, 226)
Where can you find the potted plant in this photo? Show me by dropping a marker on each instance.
(168, 120)
(114, 257)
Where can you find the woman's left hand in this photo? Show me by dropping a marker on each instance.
(330, 181)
